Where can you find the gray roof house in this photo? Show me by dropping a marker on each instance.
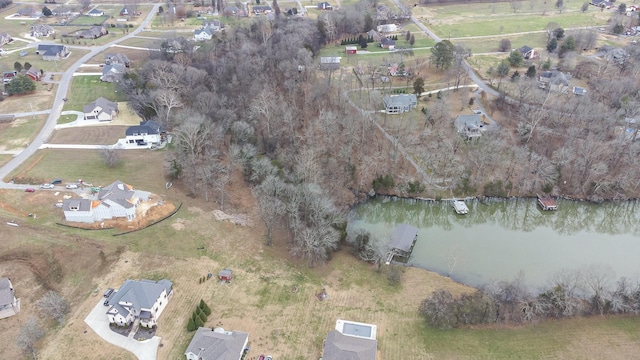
(113, 73)
(555, 80)
(93, 32)
(142, 300)
(202, 34)
(397, 104)
(351, 341)
(9, 305)
(5, 38)
(41, 30)
(118, 200)
(469, 126)
(387, 43)
(402, 240)
(101, 110)
(218, 344)
(117, 58)
(148, 132)
(52, 52)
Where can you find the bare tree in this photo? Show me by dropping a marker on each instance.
(112, 157)
(375, 250)
(84, 3)
(54, 304)
(29, 334)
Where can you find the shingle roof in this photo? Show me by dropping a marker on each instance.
(149, 127)
(118, 192)
(77, 204)
(213, 345)
(141, 294)
(343, 347)
(6, 292)
(106, 105)
(403, 236)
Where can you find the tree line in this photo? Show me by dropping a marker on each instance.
(572, 292)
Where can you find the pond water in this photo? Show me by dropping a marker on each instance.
(498, 240)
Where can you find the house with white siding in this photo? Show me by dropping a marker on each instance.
(142, 301)
(9, 304)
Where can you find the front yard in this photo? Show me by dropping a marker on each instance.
(87, 88)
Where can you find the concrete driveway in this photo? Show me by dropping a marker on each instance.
(98, 322)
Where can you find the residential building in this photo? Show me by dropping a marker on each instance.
(555, 81)
(261, 9)
(52, 52)
(469, 126)
(579, 91)
(330, 62)
(34, 73)
(93, 32)
(529, 53)
(351, 340)
(117, 58)
(118, 200)
(213, 25)
(95, 12)
(63, 11)
(374, 35)
(101, 110)
(41, 30)
(9, 304)
(142, 301)
(351, 49)
(148, 132)
(5, 38)
(218, 344)
(202, 34)
(387, 28)
(324, 6)
(113, 73)
(387, 43)
(397, 104)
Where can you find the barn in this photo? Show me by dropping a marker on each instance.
(351, 49)
(225, 275)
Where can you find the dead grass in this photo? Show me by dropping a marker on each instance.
(91, 135)
(41, 99)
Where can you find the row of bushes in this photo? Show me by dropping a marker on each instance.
(199, 316)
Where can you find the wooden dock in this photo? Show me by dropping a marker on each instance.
(547, 203)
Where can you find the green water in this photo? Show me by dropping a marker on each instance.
(498, 240)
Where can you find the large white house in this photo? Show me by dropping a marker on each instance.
(9, 305)
(218, 344)
(101, 110)
(351, 340)
(142, 300)
(148, 132)
(118, 200)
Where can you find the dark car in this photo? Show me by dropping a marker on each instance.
(30, 190)
(108, 292)
(56, 182)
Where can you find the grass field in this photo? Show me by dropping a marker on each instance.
(19, 133)
(85, 89)
(41, 99)
(90, 135)
(484, 45)
(89, 20)
(143, 43)
(6, 62)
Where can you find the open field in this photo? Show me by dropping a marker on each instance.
(492, 44)
(137, 57)
(6, 62)
(85, 89)
(90, 135)
(41, 99)
(89, 20)
(141, 42)
(19, 133)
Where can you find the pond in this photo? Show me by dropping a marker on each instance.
(498, 240)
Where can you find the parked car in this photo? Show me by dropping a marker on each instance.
(71, 186)
(30, 190)
(261, 357)
(46, 186)
(108, 292)
(269, 357)
(56, 181)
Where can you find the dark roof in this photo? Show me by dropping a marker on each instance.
(403, 237)
(95, 11)
(118, 192)
(262, 7)
(6, 292)
(344, 347)
(149, 127)
(387, 41)
(141, 294)
(525, 49)
(78, 204)
(106, 105)
(50, 49)
(217, 344)
(116, 58)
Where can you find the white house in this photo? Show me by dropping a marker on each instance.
(387, 28)
(202, 34)
(95, 12)
(101, 110)
(218, 344)
(142, 300)
(9, 305)
(351, 340)
(118, 200)
(148, 132)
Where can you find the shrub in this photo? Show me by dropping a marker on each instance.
(205, 308)
(203, 317)
(383, 182)
(199, 322)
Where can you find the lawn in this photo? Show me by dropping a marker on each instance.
(41, 99)
(6, 62)
(85, 89)
(19, 133)
(89, 20)
(89, 135)
(143, 43)
(486, 45)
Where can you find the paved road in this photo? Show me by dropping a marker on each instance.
(58, 103)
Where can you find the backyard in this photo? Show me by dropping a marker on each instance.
(87, 88)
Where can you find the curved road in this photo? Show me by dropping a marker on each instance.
(58, 103)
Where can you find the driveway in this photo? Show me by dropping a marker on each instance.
(98, 322)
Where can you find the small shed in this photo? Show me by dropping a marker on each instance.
(351, 49)
(225, 275)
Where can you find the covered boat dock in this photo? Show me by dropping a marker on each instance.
(402, 241)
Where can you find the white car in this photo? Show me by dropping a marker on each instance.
(71, 186)
(47, 186)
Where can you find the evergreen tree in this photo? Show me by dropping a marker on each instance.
(17, 66)
(407, 36)
(203, 317)
(515, 58)
(412, 40)
(206, 309)
(191, 325)
(21, 84)
(552, 45)
(531, 71)
(199, 322)
(27, 65)
(201, 304)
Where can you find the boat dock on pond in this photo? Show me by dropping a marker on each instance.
(402, 242)
(547, 203)
(460, 207)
